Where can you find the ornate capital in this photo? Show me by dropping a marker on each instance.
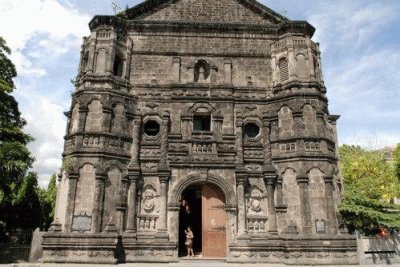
(73, 175)
(302, 179)
(163, 179)
(101, 176)
(328, 179)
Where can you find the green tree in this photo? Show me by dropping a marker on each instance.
(370, 182)
(48, 201)
(26, 204)
(396, 159)
(15, 158)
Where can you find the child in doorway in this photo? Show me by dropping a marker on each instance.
(189, 241)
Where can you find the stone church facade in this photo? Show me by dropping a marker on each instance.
(209, 114)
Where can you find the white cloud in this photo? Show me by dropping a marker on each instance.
(39, 33)
(46, 122)
(22, 21)
(350, 24)
(374, 73)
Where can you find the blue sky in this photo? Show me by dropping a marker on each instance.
(360, 43)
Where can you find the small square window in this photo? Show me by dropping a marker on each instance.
(202, 122)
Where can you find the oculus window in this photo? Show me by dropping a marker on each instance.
(151, 128)
(251, 130)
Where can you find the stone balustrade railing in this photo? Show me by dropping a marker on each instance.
(147, 222)
(256, 224)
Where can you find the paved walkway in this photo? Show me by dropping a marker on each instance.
(188, 263)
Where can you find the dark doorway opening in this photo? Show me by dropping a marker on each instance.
(190, 215)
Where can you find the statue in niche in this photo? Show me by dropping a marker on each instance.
(201, 75)
(255, 202)
(201, 71)
(148, 200)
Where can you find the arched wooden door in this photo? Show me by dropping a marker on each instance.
(213, 222)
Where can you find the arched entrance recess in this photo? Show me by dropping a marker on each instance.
(203, 209)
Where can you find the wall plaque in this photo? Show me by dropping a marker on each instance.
(82, 223)
(320, 226)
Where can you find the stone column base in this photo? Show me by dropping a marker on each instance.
(151, 250)
(80, 248)
(299, 250)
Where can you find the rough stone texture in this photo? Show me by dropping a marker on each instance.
(176, 94)
(36, 249)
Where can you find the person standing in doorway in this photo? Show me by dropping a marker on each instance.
(189, 241)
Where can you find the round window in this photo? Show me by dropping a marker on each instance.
(151, 128)
(251, 130)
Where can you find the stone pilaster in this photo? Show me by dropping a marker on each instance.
(92, 53)
(107, 119)
(110, 56)
(305, 209)
(133, 176)
(83, 111)
(217, 121)
(291, 59)
(228, 71)
(164, 142)
(134, 162)
(98, 202)
(162, 226)
(127, 68)
(279, 193)
(241, 181)
(176, 70)
(310, 59)
(270, 176)
(121, 208)
(186, 127)
(270, 181)
(73, 180)
(331, 223)
(239, 140)
(81, 58)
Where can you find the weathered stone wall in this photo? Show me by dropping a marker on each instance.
(62, 199)
(160, 107)
(207, 11)
(112, 187)
(85, 191)
(151, 59)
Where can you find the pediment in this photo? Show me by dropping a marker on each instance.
(205, 11)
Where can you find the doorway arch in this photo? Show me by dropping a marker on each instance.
(203, 209)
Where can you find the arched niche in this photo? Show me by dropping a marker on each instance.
(94, 117)
(118, 119)
(85, 191)
(301, 67)
(74, 121)
(316, 187)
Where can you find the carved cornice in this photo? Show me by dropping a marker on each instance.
(120, 24)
